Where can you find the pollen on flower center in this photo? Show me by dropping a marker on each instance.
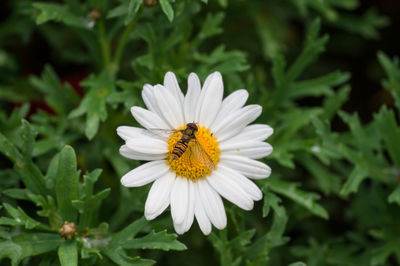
(189, 164)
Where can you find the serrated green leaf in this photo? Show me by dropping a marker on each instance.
(129, 232)
(272, 200)
(354, 180)
(120, 258)
(313, 47)
(390, 132)
(118, 10)
(258, 252)
(23, 165)
(243, 239)
(26, 245)
(333, 103)
(392, 69)
(167, 9)
(48, 210)
(305, 199)
(317, 86)
(68, 253)
(297, 263)
(394, 197)
(94, 102)
(211, 25)
(160, 240)
(67, 184)
(21, 217)
(133, 8)
(367, 25)
(17, 193)
(57, 13)
(60, 97)
(88, 204)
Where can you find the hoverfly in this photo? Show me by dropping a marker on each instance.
(188, 144)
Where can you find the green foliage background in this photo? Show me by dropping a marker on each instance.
(70, 70)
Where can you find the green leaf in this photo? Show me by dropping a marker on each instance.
(394, 197)
(67, 184)
(272, 200)
(133, 8)
(27, 245)
(94, 102)
(390, 132)
(327, 180)
(298, 263)
(167, 9)
(17, 193)
(9, 150)
(258, 252)
(120, 258)
(367, 25)
(57, 13)
(243, 239)
(68, 253)
(333, 103)
(60, 97)
(119, 10)
(23, 165)
(88, 204)
(129, 232)
(21, 218)
(318, 86)
(48, 210)
(223, 61)
(211, 25)
(305, 199)
(160, 240)
(392, 69)
(356, 177)
(313, 47)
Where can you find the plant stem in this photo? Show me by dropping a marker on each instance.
(105, 47)
(124, 39)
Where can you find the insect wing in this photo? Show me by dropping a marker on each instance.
(201, 155)
(160, 133)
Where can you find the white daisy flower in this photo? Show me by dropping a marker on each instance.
(209, 152)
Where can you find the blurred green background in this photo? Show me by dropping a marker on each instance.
(325, 72)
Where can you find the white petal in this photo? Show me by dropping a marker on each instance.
(200, 213)
(192, 97)
(212, 204)
(230, 190)
(191, 202)
(210, 99)
(148, 145)
(145, 174)
(188, 220)
(237, 121)
(179, 200)
(148, 119)
(149, 99)
(243, 182)
(251, 149)
(159, 196)
(126, 132)
(171, 83)
(248, 167)
(179, 228)
(256, 132)
(128, 153)
(230, 104)
(170, 107)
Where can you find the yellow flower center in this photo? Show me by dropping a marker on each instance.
(199, 159)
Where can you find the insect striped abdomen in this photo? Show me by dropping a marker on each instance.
(179, 149)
